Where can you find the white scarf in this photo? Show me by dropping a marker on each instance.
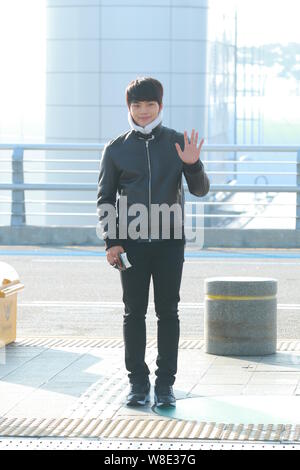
(149, 127)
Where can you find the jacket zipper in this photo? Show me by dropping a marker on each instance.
(149, 188)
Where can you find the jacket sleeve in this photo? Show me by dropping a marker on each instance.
(196, 178)
(107, 194)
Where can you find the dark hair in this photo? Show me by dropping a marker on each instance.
(144, 89)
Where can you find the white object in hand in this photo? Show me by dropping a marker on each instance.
(125, 261)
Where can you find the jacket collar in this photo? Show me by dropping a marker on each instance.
(153, 128)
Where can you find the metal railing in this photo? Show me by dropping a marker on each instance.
(242, 175)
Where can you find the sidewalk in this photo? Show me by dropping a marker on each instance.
(75, 387)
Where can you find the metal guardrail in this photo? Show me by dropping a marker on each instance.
(18, 186)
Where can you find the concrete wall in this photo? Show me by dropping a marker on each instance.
(230, 238)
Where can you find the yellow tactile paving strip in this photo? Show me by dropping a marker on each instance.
(146, 427)
(282, 345)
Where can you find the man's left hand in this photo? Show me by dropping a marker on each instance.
(191, 152)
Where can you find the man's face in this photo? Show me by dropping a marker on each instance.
(144, 112)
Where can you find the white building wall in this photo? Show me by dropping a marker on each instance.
(220, 116)
(95, 48)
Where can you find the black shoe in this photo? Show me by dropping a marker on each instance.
(139, 394)
(164, 396)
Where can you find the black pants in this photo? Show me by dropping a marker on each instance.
(164, 261)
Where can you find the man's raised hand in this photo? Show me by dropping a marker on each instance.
(191, 152)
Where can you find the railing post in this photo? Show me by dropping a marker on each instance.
(298, 194)
(18, 216)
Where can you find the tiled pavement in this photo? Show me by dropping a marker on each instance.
(75, 387)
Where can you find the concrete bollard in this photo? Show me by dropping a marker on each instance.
(240, 316)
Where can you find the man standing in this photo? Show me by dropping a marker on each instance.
(144, 166)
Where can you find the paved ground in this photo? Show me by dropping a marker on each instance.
(75, 387)
(65, 378)
(73, 290)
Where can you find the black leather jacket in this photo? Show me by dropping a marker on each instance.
(147, 170)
